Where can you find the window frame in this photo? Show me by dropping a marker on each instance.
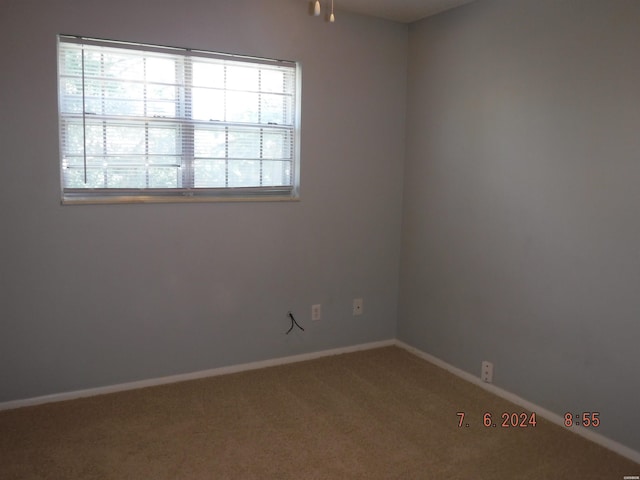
(190, 192)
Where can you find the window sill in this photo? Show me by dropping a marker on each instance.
(93, 200)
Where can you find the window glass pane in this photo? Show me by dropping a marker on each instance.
(210, 173)
(126, 66)
(274, 109)
(73, 139)
(70, 58)
(272, 81)
(242, 78)
(276, 173)
(161, 108)
(123, 177)
(210, 143)
(242, 107)
(172, 161)
(125, 139)
(160, 70)
(119, 99)
(244, 173)
(164, 177)
(95, 138)
(244, 144)
(74, 178)
(93, 63)
(71, 95)
(161, 101)
(78, 162)
(276, 145)
(163, 140)
(289, 110)
(125, 161)
(206, 74)
(208, 104)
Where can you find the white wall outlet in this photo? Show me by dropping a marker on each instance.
(358, 305)
(487, 372)
(316, 312)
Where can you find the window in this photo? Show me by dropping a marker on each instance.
(143, 123)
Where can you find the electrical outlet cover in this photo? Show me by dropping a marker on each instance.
(487, 372)
(358, 306)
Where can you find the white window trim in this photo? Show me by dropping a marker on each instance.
(189, 193)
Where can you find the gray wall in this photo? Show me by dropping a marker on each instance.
(520, 229)
(521, 233)
(98, 295)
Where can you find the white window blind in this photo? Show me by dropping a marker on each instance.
(142, 122)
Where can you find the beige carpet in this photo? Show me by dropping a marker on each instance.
(378, 414)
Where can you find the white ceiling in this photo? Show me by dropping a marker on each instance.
(405, 11)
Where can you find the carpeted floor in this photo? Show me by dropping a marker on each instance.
(377, 414)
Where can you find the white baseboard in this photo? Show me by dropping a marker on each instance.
(58, 397)
(601, 440)
(542, 412)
